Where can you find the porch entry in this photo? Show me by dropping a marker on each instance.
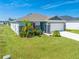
(44, 26)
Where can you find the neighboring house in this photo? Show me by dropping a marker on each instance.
(47, 25)
(4, 22)
(72, 24)
(1, 22)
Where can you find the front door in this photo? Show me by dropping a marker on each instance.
(43, 26)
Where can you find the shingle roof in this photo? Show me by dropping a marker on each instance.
(33, 17)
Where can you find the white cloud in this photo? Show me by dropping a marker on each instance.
(48, 6)
(16, 3)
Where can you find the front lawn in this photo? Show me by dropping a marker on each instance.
(73, 31)
(43, 47)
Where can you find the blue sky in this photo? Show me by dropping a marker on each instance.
(19, 8)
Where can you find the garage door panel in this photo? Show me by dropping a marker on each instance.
(56, 26)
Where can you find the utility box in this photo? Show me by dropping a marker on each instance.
(7, 57)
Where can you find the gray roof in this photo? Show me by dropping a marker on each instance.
(72, 21)
(33, 17)
(55, 18)
(38, 17)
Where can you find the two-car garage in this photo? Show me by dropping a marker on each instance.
(55, 25)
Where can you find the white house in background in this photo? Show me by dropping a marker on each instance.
(46, 24)
(1, 22)
(72, 24)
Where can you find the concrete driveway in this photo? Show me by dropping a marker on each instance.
(70, 35)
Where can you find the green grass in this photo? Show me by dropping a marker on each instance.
(73, 31)
(43, 47)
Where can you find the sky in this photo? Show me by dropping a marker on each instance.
(19, 8)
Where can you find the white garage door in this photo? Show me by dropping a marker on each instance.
(56, 26)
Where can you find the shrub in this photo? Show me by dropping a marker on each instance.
(22, 34)
(29, 33)
(38, 32)
(56, 34)
(28, 30)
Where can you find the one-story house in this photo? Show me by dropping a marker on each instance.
(1, 22)
(47, 24)
(4, 22)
